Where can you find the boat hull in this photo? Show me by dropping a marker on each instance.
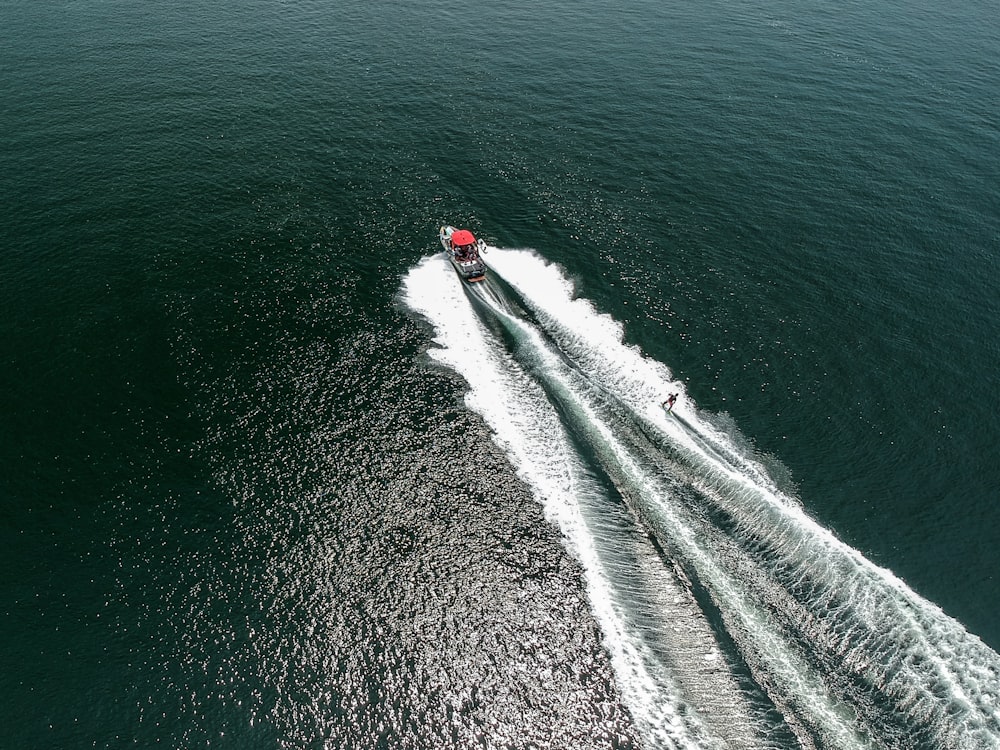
(470, 269)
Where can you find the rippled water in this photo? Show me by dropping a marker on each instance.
(250, 496)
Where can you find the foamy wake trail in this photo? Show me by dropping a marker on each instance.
(845, 652)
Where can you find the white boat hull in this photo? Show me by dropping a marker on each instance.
(471, 269)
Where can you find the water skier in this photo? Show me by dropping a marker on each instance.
(669, 403)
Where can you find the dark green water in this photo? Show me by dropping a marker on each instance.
(225, 513)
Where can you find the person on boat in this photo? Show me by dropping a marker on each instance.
(669, 403)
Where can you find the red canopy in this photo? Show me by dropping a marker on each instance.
(462, 237)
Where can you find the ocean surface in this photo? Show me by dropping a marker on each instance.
(272, 476)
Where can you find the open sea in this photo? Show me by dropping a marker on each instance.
(273, 476)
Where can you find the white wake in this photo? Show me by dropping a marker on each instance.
(847, 654)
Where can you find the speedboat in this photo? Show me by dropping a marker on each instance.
(464, 252)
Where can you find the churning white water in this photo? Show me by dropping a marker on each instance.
(733, 619)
